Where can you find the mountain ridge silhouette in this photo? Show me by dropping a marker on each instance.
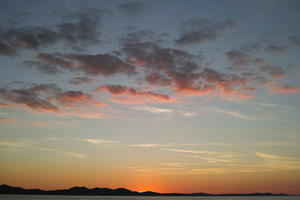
(80, 190)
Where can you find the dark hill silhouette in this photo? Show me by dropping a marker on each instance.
(6, 189)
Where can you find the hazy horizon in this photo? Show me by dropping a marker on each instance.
(164, 96)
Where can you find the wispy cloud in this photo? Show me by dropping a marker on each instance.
(190, 151)
(76, 155)
(149, 145)
(239, 115)
(5, 119)
(154, 110)
(273, 105)
(17, 144)
(36, 145)
(173, 164)
(52, 123)
(53, 139)
(187, 113)
(96, 141)
(273, 162)
(212, 159)
(268, 156)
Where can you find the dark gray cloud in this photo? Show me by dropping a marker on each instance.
(275, 71)
(80, 30)
(32, 97)
(295, 40)
(200, 30)
(181, 71)
(274, 48)
(240, 60)
(6, 50)
(80, 80)
(91, 65)
(42, 67)
(45, 97)
(154, 57)
(269, 46)
(141, 36)
(155, 78)
(84, 30)
(133, 7)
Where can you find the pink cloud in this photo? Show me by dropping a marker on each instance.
(133, 95)
(277, 88)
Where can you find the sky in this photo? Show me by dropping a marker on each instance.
(168, 96)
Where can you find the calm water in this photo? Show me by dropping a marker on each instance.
(29, 197)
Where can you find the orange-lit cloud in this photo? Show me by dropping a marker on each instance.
(4, 119)
(277, 88)
(137, 96)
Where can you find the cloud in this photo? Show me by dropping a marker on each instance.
(52, 123)
(119, 90)
(31, 97)
(187, 113)
(80, 30)
(34, 145)
(6, 50)
(69, 98)
(17, 144)
(273, 70)
(149, 145)
(76, 155)
(80, 80)
(4, 105)
(155, 78)
(268, 156)
(92, 65)
(238, 114)
(273, 48)
(200, 30)
(276, 88)
(154, 110)
(96, 141)
(181, 71)
(263, 44)
(173, 164)
(127, 100)
(239, 59)
(179, 144)
(141, 36)
(273, 105)
(132, 7)
(4, 119)
(42, 67)
(56, 139)
(212, 160)
(212, 82)
(84, 114)
(46, 98)
(295, 40)
(155, 58)
(191, 151)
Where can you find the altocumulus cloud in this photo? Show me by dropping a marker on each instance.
(157, 64)
(46, 97)
(80, 31)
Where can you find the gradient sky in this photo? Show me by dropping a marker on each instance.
(169, 96)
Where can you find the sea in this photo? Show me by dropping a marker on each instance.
(41, 197)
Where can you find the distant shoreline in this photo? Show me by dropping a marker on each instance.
(83, 191)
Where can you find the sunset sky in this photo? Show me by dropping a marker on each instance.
(168, 96)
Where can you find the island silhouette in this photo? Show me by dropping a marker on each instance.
(6, 189)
